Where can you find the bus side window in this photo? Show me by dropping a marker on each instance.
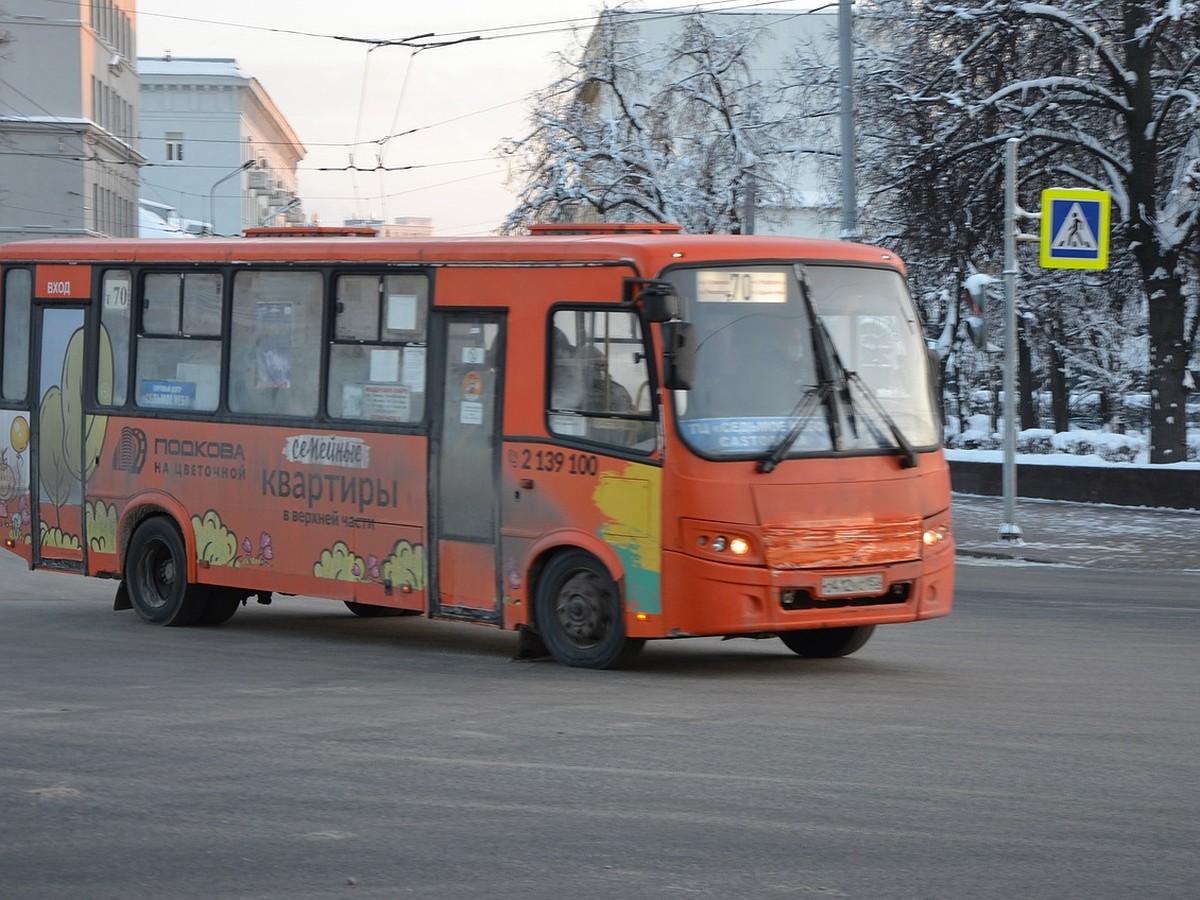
(275, 345)
(378, 352)
(599, 381)
(179, 341)
(17, 298)
(116, 290)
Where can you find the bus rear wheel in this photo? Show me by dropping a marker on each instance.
(579, 614)
(156, 576)
(826, 643)
(222, 604)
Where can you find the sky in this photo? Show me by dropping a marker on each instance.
(343, 97)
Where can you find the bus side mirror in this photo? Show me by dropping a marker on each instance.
(658, 299)
(679, 355)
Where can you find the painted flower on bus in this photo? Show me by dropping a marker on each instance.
(266, 552)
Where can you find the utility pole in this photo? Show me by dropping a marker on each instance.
(1009, 529)
(751, 197)
(846, 115)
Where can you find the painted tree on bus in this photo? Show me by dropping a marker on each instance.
(69, 442)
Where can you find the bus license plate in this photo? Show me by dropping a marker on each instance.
(851, 585)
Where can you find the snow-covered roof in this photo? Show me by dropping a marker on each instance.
(208, 67)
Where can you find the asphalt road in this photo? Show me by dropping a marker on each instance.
(1041, 742)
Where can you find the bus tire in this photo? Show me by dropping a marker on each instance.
(222, 604)
(156, 576)
(579, 613)
(826, 643)
(373, 611)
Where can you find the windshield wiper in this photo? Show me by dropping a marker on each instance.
(830, 364)
(800, 415)
(903, 445)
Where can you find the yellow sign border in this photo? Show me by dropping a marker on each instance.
(1052, 195)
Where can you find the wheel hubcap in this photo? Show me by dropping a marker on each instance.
(583, 610)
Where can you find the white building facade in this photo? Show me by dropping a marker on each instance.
(68, 119)
(218, 150)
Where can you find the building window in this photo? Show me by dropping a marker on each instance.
(175, 146)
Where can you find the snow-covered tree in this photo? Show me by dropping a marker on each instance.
(1101, 93)
(681, 131)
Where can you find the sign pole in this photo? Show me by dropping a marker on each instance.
(1009, 529)
(850, 230)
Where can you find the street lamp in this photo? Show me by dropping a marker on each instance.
(212, 192)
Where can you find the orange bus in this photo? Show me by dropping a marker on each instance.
(593, 435)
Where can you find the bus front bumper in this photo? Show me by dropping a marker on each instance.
(703, 597)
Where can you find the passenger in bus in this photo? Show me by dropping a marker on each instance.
(566, 373)
(580, 379)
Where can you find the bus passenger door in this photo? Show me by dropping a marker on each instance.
(58, 469)
(465, 468)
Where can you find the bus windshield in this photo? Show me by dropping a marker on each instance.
(803, 360)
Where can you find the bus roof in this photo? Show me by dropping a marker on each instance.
(649, 253)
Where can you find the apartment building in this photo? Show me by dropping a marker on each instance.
(68, 119)
(218, 150)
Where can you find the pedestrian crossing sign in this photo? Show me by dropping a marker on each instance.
(1075, 228)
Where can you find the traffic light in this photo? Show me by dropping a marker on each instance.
(975, 293)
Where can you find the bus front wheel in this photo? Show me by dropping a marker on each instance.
(579, 614)
(825, 643)
(156, 576)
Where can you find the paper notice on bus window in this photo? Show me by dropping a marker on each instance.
(414, 369)
(402, 312)
(162, 393)
(385, 364)
(385, 402)
(726, 286)
(470, 413)
(576, 426)
(352, 400)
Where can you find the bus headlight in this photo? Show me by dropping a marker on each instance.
(720, 542)
(935, 535)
